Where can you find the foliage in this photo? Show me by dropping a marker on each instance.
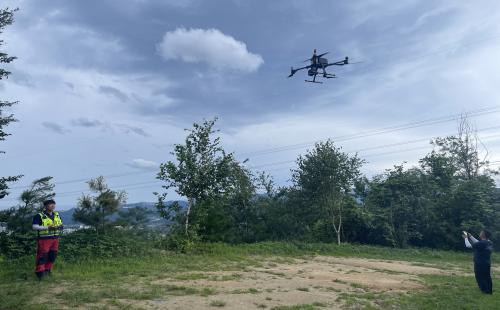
(325, 178)
(19, 219)
(85, 244)
(425, 205)
(95, 210)
(6, 19)
(216, 186)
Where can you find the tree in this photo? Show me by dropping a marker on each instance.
(401, 200)
(18, 218)
(133, 217)
(462, 150)
(6, 18)
(325, 177)
(95, 210)
(201, 173)
(244, 213)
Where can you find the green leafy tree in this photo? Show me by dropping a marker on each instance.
(325, 178)
(18, 219)
(95, 210)
(201, 173)
(240, 202)
(402, 202)
(6, 19)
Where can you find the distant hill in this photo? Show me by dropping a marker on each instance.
(153, 216)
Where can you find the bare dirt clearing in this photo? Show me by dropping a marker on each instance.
(316, 281)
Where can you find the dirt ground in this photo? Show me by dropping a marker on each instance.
(317, 281)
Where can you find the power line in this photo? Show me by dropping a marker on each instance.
(109, 176)
(364, 134)
(120, 187)
(450, 47)
(134, 185)
(472, 113)
(379, 147)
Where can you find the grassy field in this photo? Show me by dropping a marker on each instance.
(264, 275)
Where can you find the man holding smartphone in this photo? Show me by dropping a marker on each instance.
(48, 225)
(482, 262)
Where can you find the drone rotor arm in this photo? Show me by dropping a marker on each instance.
(293, 71)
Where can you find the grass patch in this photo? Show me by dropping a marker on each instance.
(217, 303)
(247, 291)
(448, 292)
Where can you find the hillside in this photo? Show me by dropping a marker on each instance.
(154, 219)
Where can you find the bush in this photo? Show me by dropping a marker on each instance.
(83, 244)
(17, 245)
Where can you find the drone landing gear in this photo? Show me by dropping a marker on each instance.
(314, 82)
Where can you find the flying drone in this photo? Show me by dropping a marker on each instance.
(318, 62)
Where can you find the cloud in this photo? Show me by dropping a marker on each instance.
(108, 90)
(85, 122)
(106, 126)
(132, 129)
(143, 164)
(211, 46)
(55, 127)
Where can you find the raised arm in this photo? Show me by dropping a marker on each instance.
(471, 238)
(467, 243)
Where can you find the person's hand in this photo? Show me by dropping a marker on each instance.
(465, 234)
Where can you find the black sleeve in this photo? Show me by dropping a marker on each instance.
(37, 220)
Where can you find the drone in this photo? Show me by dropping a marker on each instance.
(319, 62)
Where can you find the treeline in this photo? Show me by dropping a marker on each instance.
(330, 200)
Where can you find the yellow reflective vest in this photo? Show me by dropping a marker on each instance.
(46, 221)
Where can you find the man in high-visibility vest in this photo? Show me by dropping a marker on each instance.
(48, 225)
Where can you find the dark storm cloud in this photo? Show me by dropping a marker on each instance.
(122, 39)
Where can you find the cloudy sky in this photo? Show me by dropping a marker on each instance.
(107, 87)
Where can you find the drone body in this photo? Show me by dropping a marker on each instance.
(318, 66)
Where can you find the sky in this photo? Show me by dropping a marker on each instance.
(108, 87)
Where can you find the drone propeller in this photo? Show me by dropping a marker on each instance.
(292, 72)
(318, 56)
